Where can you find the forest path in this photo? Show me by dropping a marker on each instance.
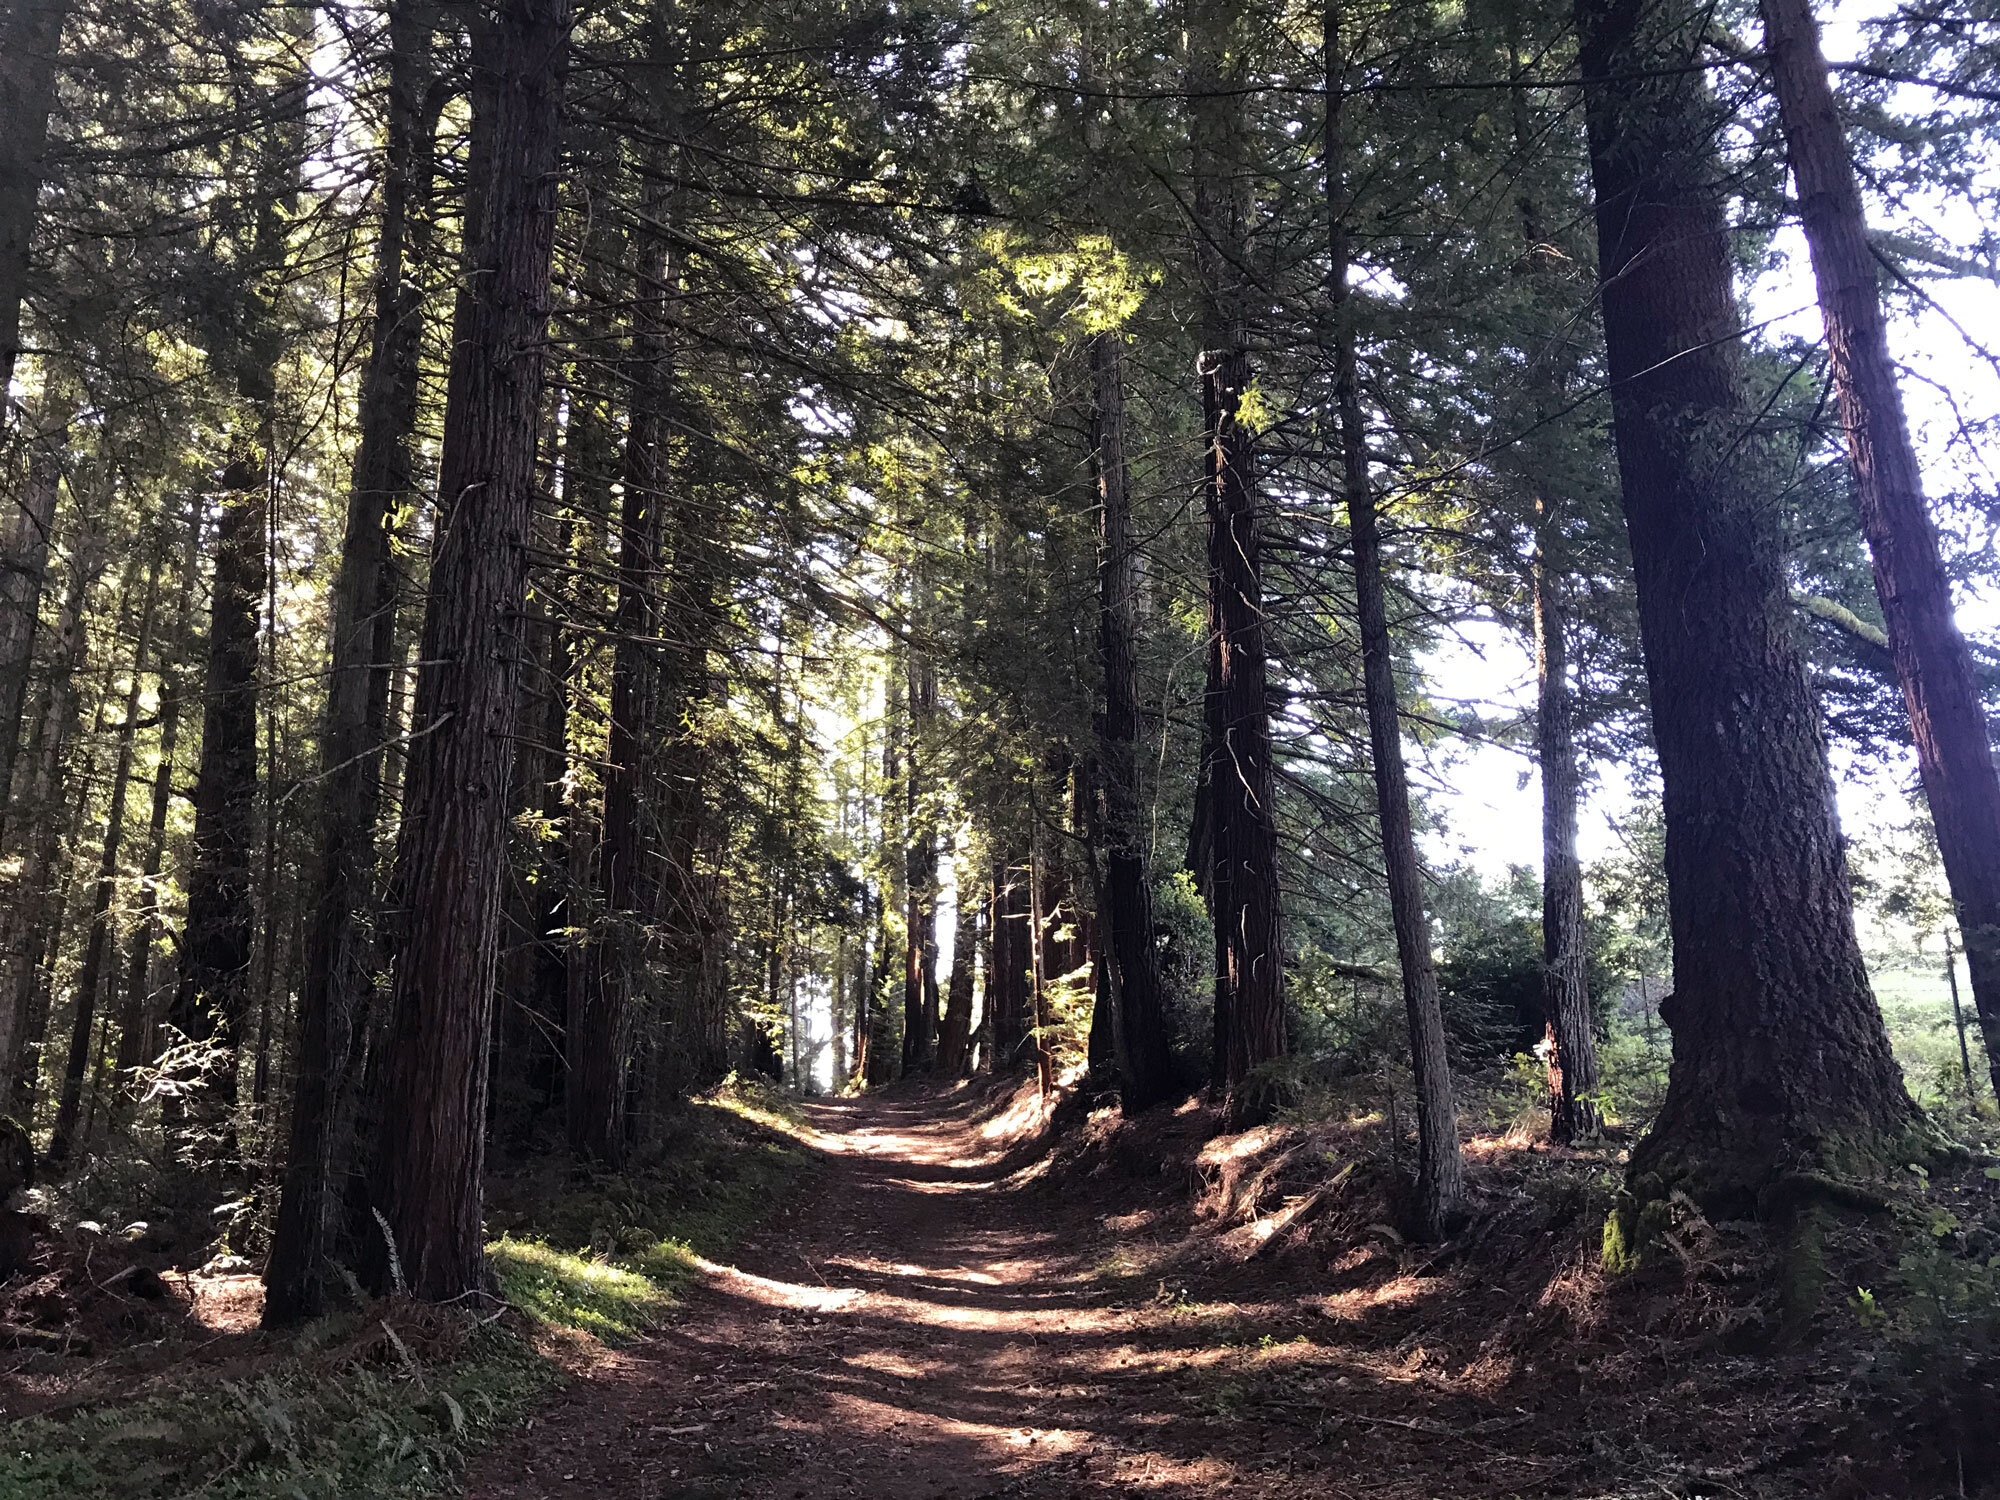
(921, 1325)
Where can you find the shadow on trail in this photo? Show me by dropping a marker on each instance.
(932, 1322)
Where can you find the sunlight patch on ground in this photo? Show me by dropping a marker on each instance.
(1353, 1305)
(1004, 1447)
(791, 1294)
(1023, 1116)
(227, 1303)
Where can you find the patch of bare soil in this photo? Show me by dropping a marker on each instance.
(86, 1315)
(1151, 1309)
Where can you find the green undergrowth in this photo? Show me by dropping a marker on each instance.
(390, 1401)
(299, 1427)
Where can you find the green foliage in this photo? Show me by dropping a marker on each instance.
(719, 1166)
(1491, 973)
(1181, 926)
(1632, 1065)
(375, 1425)
(575, 1291)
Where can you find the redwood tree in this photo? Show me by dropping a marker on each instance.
(452, 843)
(1145, 1062)
(1242, 832)
(339, 951)
(1780, 1057)
(1947, 719)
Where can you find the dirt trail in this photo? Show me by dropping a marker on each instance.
(921, 1326)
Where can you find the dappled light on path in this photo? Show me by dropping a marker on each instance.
(942, 1317)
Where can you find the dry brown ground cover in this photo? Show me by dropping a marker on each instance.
(967, 1305)
(965, 1295)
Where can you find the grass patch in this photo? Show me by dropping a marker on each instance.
(563, 1288)
(372, 1424)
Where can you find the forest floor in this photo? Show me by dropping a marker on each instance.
(961, 1305)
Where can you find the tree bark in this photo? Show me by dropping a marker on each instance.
(30, 34)
(1247, 909)
(1780, 1055)
(1440, 1169)
(1245, 904)
(1009, 980)
(599, 1041)
(1144, 1043)
(23, 569)
(211, 999)
(340, 945)
(90, 976)
(452, 844)
(42, 831)
(1947, 719)
(1570, 1064)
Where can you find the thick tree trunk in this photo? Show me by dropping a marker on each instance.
(1247, 907)
(1780, 1056)
(1145, 1063)
(1245, 902)
(1947, 720)
(340, 945)
(211, 1000)
(90, 976)
(452, 845)
(1570, 1063)
(30, 34)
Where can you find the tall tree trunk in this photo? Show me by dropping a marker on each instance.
(864, 989)
(1780, 1055)
(30, 34)
(599, 1040)
(36, 908)
(1245, 905)
(339, 945)
(23, 567)
(1570, 1063)
(1948, 722)
(452, 845)
(1041, 917)
(692, 907)
(211, 1000)
(90, 975)
(1440, 1169)
(1145, 1062)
